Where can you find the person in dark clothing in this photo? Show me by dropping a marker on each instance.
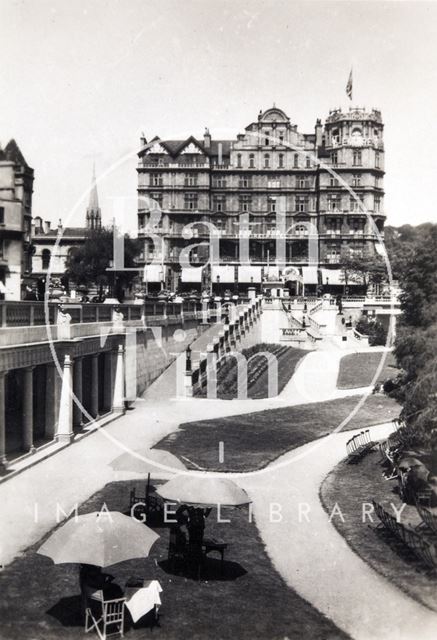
(96, 587)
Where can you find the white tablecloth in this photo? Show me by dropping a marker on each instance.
(141, 600)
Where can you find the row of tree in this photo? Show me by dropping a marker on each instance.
(413, 252)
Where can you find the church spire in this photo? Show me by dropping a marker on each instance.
(93, 213)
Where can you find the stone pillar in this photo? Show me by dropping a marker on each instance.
(28, 409)
(77, 389)
(94, 408)
(52, 399)
(65, 421)
(108, 382)
(118, 401)
(3, 459)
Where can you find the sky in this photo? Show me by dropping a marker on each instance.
(80, 81)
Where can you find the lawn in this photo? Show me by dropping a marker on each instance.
(40, 601)
(253, 440)
(257, 378)
(351, 485)
(358, 369)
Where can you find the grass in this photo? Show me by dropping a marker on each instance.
(40, 601)
(253, 440)
(257, 378)
(358, 369)
(351, 485)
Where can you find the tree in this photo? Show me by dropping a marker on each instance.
(363, 269)
(416, 342)
(90, 263)
(373, 329)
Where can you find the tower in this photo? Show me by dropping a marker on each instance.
(93, 213)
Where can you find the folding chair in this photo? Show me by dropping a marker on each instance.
(112, 616)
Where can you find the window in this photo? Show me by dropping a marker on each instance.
(354, 205)
(156, 179)
(377, 159)
(356, 180)
(296, 160)
(191, 180)
(334, 157)
(219, 203)
(301, 204)
(281, 160)
(2, 215)
(244, 183)
(190, 201)
(267, 138)
(356, 161)
(335, 136)
(45, 258)
(377, 204)
(251, 161)
(266, 161)
(377, 182)
(272, 205)
(281, 139)
(334, 203)
(308, 162)
(157, 197)
(220, 183)
(274, 184)
(245, 202)
(239, 160)
(333, 224)
(357, 225)
(333, 182)
(303, 184)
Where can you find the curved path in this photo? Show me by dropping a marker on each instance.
(315, 560)
(312, 557)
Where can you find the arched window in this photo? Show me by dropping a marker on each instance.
(251, 161)
(239, 160)
(357, 136)
(46, 258)
(266, 160)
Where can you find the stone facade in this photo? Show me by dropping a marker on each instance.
(268, 183)
(16, 188)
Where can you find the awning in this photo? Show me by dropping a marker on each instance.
(309, 275)
(249, 274)
(334, 276)
(192, 274)
(271, 273)
(223, 274)
(153, 273)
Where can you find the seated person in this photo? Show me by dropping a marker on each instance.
(96, 586)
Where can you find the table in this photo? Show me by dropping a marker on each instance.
(142, 596)
(212, 544)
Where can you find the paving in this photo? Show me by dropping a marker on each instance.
(311, 556)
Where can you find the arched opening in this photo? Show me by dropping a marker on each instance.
(46, 258)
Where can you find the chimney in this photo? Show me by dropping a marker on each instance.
(207, 138)
(46, 226)
(319, 133)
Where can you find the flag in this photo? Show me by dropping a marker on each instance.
(349, 86)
